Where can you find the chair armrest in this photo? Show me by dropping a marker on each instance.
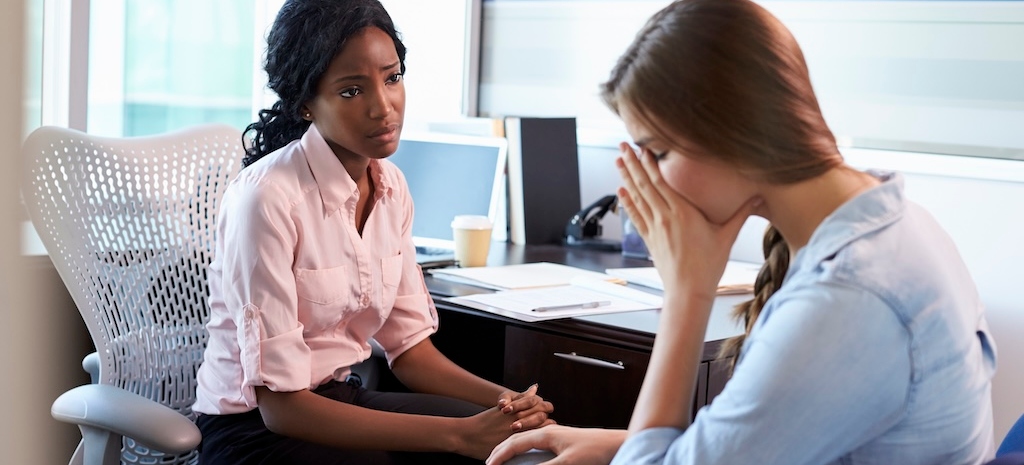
(369, 370)
(127, 414)
(376, 349)
(91, 365)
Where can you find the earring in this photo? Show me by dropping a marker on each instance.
(306, 115)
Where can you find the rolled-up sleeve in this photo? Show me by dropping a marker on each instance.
(810, 388)
(259, 238)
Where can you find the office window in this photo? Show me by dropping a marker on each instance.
(32, 111)
(160, 65)
(130, 68)
(932, 76)
(442, 38)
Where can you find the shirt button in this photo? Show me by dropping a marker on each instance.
(365, 300)
(249, 314)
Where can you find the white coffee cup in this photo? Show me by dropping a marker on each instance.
(472, 239)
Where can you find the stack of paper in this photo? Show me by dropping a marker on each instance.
(582, 296)
(545, 291)
(738, 278)
(526, 276)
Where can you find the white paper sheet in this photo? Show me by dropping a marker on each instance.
(738, 277)
(585, 297)
(525, 276)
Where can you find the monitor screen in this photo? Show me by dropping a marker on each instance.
(451, 175)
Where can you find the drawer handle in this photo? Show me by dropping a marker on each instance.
(571, 356)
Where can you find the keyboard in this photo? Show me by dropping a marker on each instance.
(434, 257)
(423, 250)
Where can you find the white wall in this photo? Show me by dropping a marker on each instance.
(940, 72)
(25, 424)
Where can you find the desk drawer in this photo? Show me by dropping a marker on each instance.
(590, 384)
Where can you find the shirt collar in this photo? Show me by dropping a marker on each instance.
(869, 211)
(380, 180)
(333, 181)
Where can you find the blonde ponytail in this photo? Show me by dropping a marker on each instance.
(769, 280)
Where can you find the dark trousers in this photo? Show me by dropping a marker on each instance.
(243, 439)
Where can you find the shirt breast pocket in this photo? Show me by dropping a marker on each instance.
(322, 296)
(391, 277)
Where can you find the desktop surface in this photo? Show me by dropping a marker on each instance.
(643, 323)
(581, 363)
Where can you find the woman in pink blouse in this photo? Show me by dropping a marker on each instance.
(315, 257)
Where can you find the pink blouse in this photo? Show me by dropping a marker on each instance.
(295, 292)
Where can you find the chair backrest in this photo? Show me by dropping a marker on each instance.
(129, 225)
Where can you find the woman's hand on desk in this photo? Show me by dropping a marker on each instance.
(571, 445)
(527, 408)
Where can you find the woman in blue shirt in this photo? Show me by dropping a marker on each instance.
(865, 342)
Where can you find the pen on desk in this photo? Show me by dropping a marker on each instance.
(581, 306)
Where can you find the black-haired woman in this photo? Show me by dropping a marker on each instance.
(314, 257)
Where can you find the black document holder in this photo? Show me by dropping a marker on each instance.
(543, 176)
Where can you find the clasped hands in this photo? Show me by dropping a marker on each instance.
(529, 410)
(514, 412)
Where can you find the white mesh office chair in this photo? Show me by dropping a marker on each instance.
(129, 224)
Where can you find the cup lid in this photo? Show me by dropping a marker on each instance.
(471, 222)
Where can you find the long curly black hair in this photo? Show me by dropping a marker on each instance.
(305, 37)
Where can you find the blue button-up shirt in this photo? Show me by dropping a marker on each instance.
(874, 351)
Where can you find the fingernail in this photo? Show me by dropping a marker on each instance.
(502, 402)
(507, 409)
(517, 426)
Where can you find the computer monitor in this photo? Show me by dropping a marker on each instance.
(449, 175)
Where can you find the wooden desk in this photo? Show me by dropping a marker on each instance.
(591, 368)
